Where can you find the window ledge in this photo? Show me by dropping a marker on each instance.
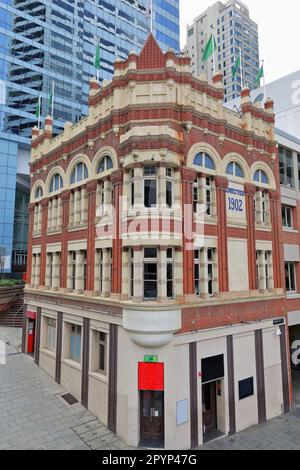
(99, 377)
(48, 352)
(292, 295)
(75, 365)
(290, 230)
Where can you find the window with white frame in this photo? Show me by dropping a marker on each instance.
(150, 273)
(264, 270)
(51, 334)
(204, 194)
(102, 352)
(262, 207)
(287, 217)
(290, 277)
(150, 186)
(131, 272)
(169, 187)
(170, 273)
(205, 272)
(56, 183)
(75, 343)
(79, 173)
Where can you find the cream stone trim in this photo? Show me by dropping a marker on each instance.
(53, 172)
(80, 158)
(105, 151)
(211, 151)
(235, 157)
(264, 246)
(77, 245)
(262, 166)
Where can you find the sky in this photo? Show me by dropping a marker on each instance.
(278, 24)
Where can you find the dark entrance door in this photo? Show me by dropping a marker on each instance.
(209, 408)
(152, 422)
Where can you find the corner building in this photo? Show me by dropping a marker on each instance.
(155, 280)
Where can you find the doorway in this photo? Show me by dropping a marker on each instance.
(31, 337)
(152, 429)
(209, 409)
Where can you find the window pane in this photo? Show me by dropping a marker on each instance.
(169, 193)
(150, 193)
(150, 281)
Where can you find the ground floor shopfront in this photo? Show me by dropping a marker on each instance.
(156, 388)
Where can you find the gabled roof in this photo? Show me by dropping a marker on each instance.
(151, 56)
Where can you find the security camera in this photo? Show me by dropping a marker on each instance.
(278, 332)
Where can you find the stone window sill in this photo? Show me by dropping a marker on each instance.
(75, 365)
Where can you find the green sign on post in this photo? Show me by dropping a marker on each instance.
(151, 359)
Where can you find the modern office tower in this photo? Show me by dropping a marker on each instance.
(55, 41)
(234, 30)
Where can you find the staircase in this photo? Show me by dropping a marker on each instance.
(13, 316)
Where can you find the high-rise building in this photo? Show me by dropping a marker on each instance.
(234, 30)
(55, 41)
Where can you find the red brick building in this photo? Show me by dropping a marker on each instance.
(155, 280)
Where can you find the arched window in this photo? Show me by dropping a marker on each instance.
(80, 173)
(105, 164)
(234, 169)
(56, 183)
(261, 177)
(205, 161)
(39, 192)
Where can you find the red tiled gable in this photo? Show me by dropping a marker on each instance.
(151, 56)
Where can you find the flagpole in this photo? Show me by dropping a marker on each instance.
(213, 48)
(264, 82)
(52, 104)
(242, 70)
(39, 118)
(151, 16)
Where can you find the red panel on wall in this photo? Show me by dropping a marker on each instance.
(30, 315)
(151, 377)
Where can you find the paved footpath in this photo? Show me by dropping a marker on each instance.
(34, 416)
(281, 433)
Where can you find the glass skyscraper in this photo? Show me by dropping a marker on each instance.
(48, 41)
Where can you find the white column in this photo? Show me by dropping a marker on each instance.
(50, 214)
(125, 274)
(77, 206)
(36, 216)
(84, 206)
(54, 213)
(37, 270)
(178, 273)
(59, 213)
(69, 276)
(138, 275)
(138, 186)
(33, 270)
(162, 274)
(203, 273)
(97, 272)
(162, 187)
(106, 273)
(55, 271)
(71, 214)
(48, 270)
(79, 272)
(39, 227)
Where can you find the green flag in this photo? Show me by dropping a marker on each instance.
(38, 109)
(97, 58)
(260, 75)
(210, 48)
(50, 98)
(236, 67)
